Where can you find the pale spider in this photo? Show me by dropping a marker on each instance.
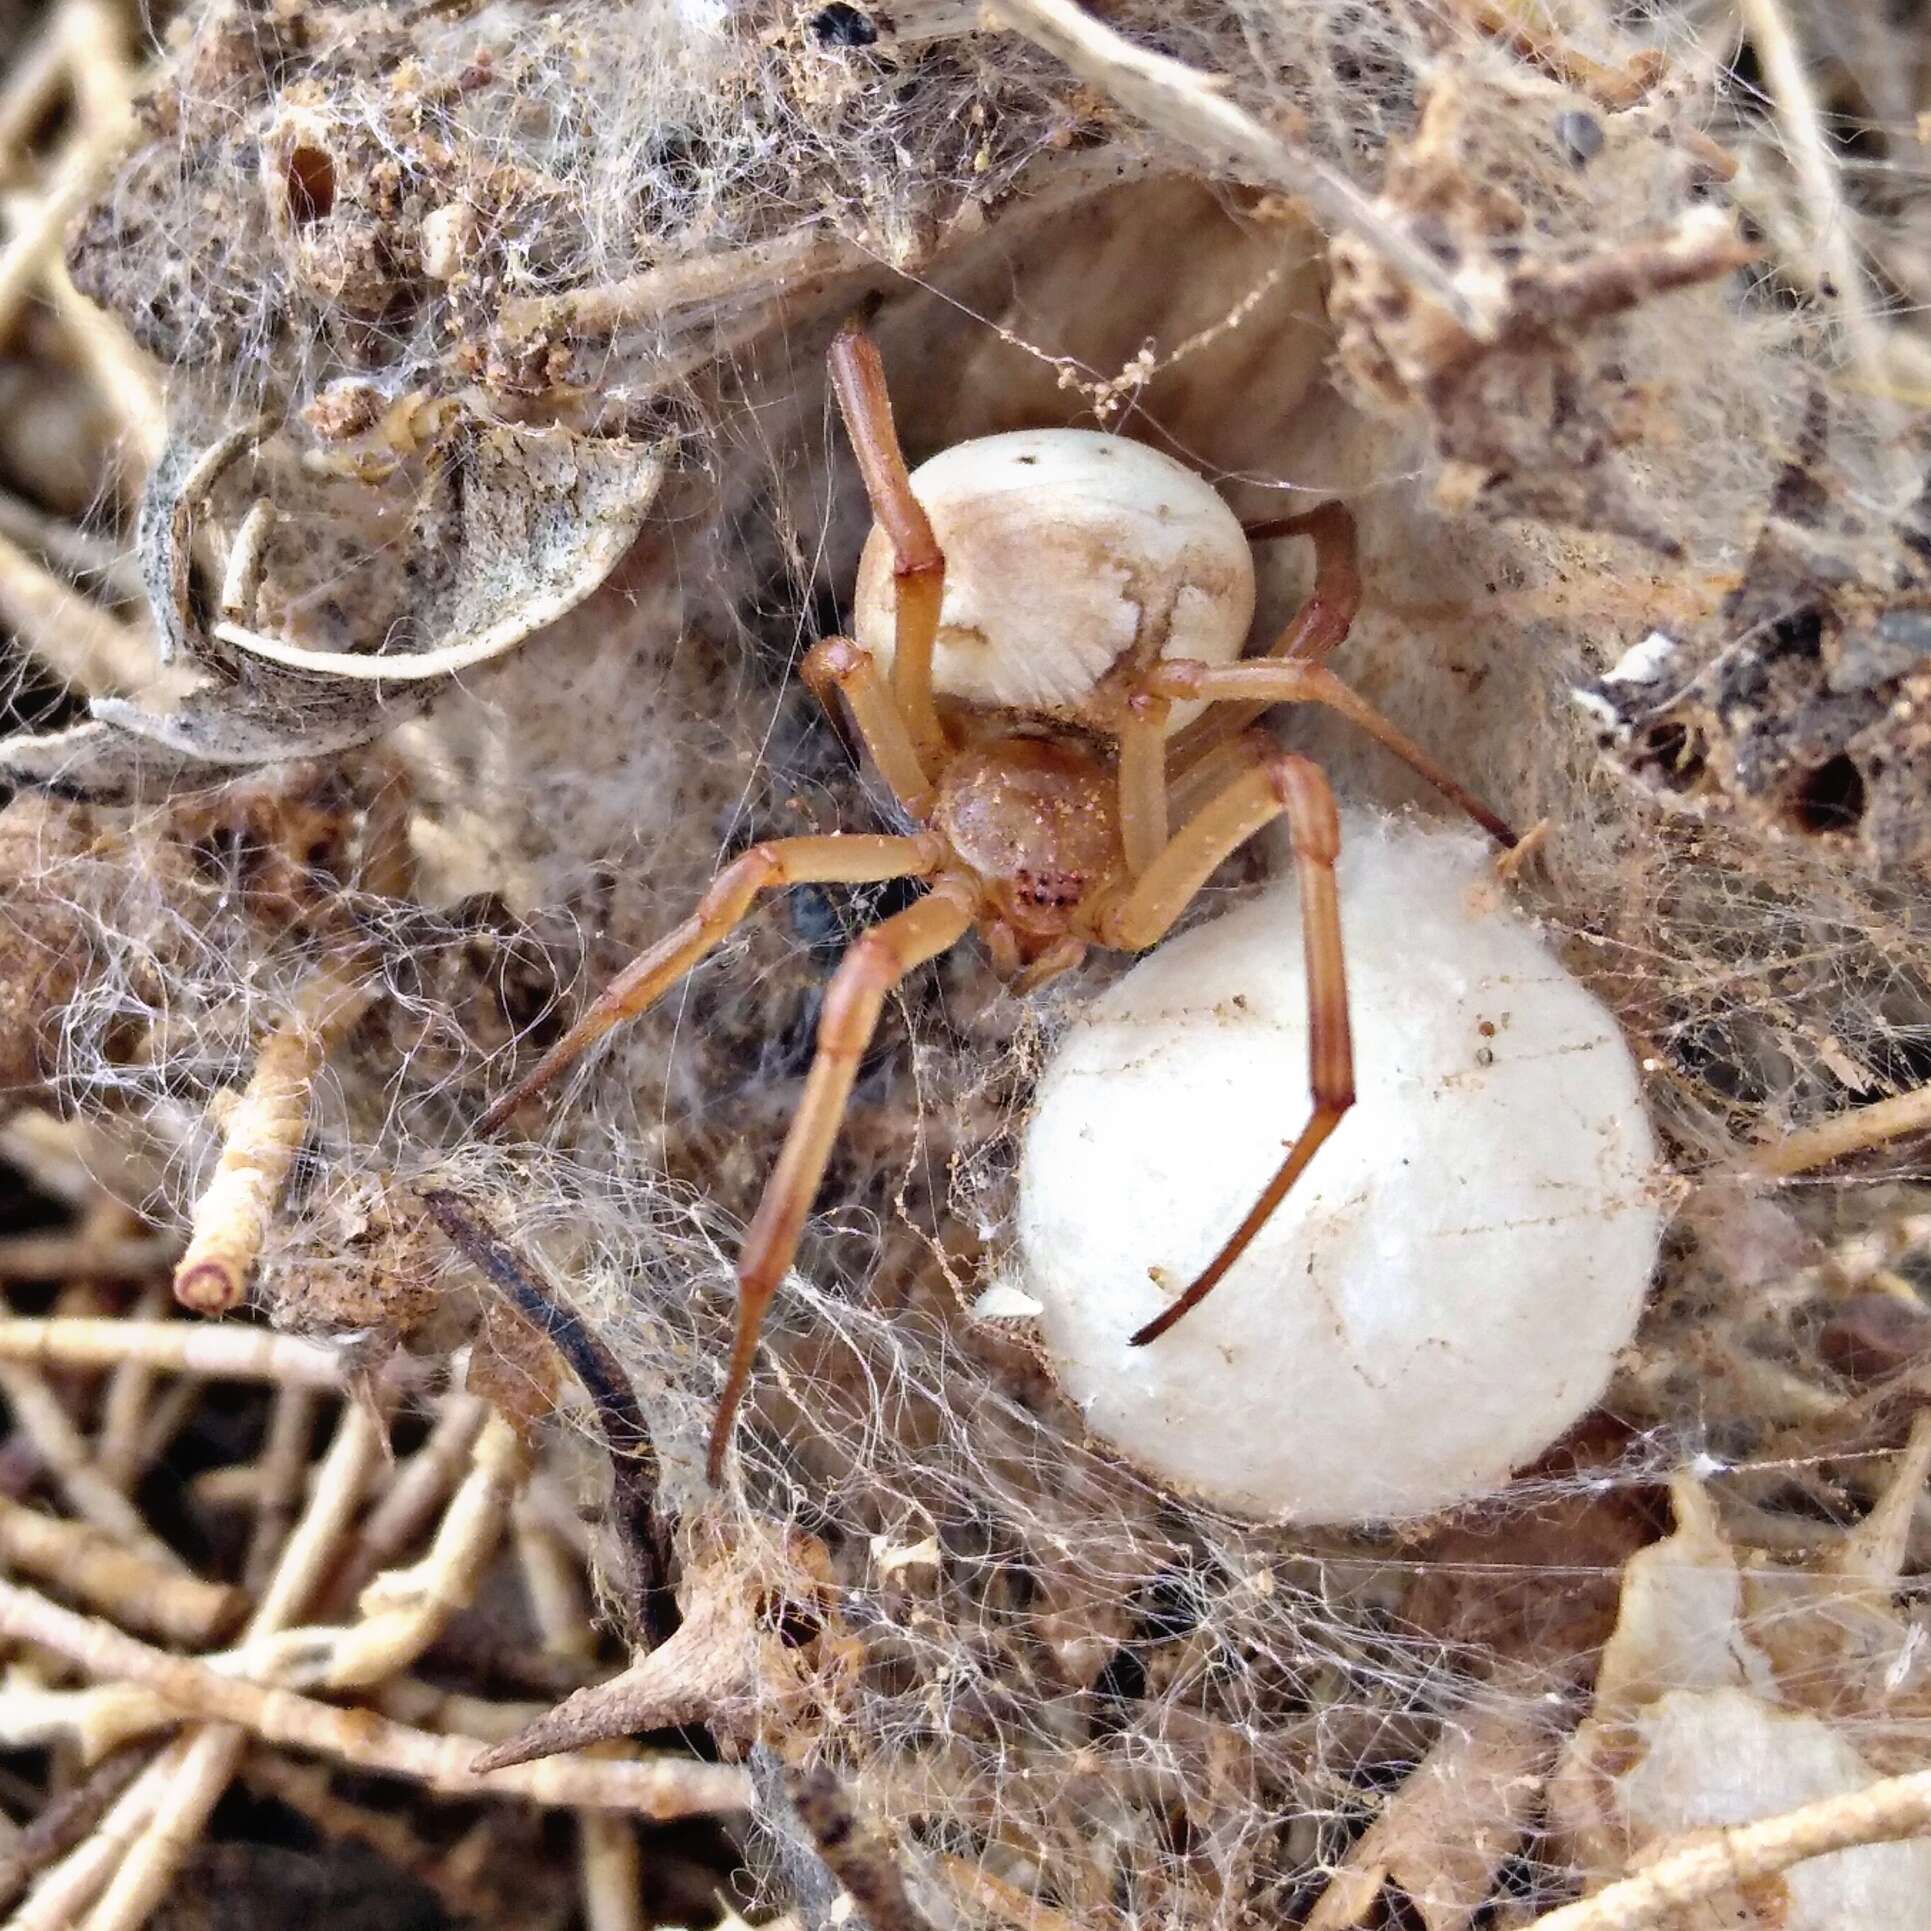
(1068, 788)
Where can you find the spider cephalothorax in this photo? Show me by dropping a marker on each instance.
(1046, 675)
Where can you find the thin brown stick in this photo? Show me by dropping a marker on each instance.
(1855, 1131)
(853, 1852)
(645, 1536)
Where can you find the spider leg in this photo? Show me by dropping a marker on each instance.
(1315, 629)
(858, 378)
(837, 664)
(852, 860)
(1274, 781)
(1252, 686)
(875, 963)
(1143, 781)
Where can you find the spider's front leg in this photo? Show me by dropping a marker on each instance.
(860, 859)
(918, 564)
(875, 963)
(1273, 782)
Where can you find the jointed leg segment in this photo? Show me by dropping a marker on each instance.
(1316, 832)
(876, 962)
(837, 664)
(1320, 624)
(858, 378)
(857, 859)
(1254, 685)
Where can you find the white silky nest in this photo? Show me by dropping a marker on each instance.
(1446, 1288)
(1064, 549)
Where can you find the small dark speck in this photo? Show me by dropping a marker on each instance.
(1029, 461)
(1581, 135)
(1484, 1056)
(839, 25)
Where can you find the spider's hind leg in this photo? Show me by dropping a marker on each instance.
(1273, 782)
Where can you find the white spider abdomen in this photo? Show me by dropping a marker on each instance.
(1066, 550)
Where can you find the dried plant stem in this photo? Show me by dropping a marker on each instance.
(63, 1893)
(1194, 108)
(855, 1854)
(215, 1751)
(405, 1610)
(282, 1468)
(306, 1789)
(119, 1439)
(1677, 1880)
(29, 93)
(174, 1347)
(660, 1787)
(608, 1864)
(415, 1492)
(67, 1820)
(753, 272)
(79, 552)
(35, 239)
(40, 1415)
(613, 1872)
(120, 372)
(1861, 1128)
(121, 1581)
(83, 1254)
(262, 1133)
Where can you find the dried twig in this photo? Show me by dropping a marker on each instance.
(1855, 1131)
(626, 1433)
(213, 1753)
(102, 1571)
(68, 1819)
(418, 1488)
(405, 1610)
(662, 1786)
(1744, 1854)
(853, 1852)
(40, 1414)
(174, 1347)
(263, 1132)
(1194, 108)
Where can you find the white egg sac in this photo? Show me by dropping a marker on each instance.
(1446, 1288)
(1064, 551)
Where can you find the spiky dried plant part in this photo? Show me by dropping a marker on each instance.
(657, 1787)
(263, 1127)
